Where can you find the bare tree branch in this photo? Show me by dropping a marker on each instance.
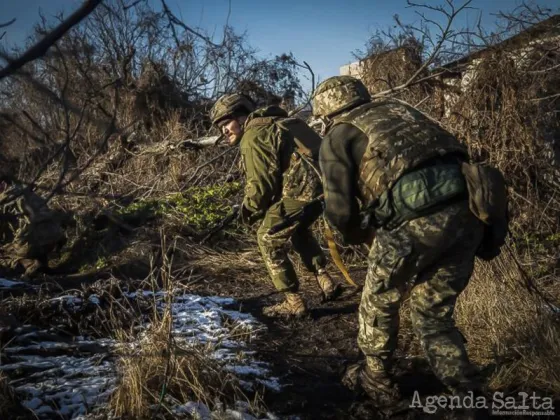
(446, 33)
(209, 162)
(174, 20)
(130, 6)
(4, 25)
(39, 49)
(308, 67)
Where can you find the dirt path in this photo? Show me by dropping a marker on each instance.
(310, 355)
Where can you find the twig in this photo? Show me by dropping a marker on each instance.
(209, 162)
(174, 20)
(130, 6)
(445, 34)
(4, 25)
(301, 108)
(546, 97)
(232, 164)
(422, 101)
(40, 49)
(545, 70)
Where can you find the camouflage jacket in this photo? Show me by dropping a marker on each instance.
(400, 138)
(367, 150)
(31, 221)
(272, 168)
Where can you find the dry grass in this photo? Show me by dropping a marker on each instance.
(159, 372)
(10, 406)
(510, 327)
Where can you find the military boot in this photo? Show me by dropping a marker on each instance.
(378, 385)
(330, 289)
(294, 305)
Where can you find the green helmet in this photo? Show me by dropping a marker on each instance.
(338, 93)
(228, 105)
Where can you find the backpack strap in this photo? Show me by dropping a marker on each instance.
(259, 121)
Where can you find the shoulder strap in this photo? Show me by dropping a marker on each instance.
(261, 121)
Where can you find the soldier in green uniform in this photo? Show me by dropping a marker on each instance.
(390, 170)
(29, 229)
(279, 182)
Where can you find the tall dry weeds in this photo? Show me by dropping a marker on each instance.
(158, 371)
(10, 406)
(510, 329)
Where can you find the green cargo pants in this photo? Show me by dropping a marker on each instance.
(274, 248)
(439, 250)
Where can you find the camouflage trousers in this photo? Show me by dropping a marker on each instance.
(439, 251)
(275, 248)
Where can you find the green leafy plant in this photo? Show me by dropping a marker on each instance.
(198, 207)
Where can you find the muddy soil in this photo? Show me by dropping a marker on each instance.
(310, 355)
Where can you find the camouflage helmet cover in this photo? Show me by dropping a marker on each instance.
(228, 104)
(338, 93)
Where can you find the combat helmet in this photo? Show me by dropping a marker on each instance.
(230, 104)
(338, 93)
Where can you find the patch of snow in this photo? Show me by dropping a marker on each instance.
(60, 378)
(9, 284)
(62, 385)
(94, 299)
(271, 383)
(200, 411)
(247, 370)
(196, 410)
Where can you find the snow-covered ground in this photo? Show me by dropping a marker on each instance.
(71, 377)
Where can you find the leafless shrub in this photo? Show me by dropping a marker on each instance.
(160, 367)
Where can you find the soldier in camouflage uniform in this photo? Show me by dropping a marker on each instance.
(389, 170)
(279, 182)
(29, 227)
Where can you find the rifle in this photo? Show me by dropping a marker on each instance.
(222, 224)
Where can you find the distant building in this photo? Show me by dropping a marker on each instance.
(353, 69)
(391, 68)
(519, 48)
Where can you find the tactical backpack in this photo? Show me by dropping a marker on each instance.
(306, 144)
(488, 201)
(307, 141)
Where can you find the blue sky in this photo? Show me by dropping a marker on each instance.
(322, 32)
